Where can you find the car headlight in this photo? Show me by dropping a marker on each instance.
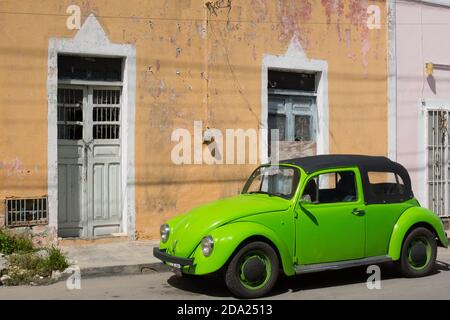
(165, 232)
(207, 246)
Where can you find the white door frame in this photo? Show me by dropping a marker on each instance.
(296, 60)
(92, 40)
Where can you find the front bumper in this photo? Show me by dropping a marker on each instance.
(162, 255)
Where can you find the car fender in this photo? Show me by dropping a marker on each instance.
(227, 238)
(408, 219)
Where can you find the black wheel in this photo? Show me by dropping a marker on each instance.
(419, 252)
(253, 271)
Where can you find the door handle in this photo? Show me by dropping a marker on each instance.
(358, 212)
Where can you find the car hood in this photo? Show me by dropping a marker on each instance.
(188, 230)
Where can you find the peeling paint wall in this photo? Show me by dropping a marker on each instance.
(196, 60)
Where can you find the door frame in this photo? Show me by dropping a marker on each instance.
(295, 60)
(423, 188)
(91, 40)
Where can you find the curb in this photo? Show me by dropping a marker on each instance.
(108, 271)
(123, 270)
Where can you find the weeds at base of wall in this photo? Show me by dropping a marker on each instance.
(13, 243)
(23, 264)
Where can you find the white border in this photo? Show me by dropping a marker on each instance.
(92, 40)
(295, 59)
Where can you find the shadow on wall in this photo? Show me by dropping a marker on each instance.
(432, 83)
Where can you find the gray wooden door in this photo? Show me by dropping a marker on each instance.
(89, 166)
(72, 102)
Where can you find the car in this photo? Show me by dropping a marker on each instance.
(306, 215)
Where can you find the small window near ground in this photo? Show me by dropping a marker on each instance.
(386, 184)
(22, 212)
(331, 188)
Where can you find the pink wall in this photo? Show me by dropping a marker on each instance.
(422, 35)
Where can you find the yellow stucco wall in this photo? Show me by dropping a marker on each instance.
(215, 78)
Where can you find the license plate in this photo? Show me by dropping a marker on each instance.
(174, 265)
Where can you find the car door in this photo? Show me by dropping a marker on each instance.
(330, 223)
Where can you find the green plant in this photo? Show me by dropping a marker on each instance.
(56, 260)
(26, 261)
(16, 276)
(37, 266)
(10, 243)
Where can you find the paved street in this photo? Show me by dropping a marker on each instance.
(342, 284)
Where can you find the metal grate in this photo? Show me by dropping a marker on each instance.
(26, 211)
(106, 114)
(70, 114)
(438, 162)
(106, 131)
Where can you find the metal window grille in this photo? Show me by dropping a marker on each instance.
(26, 211)
(70, 114)
(106, 114)
(438, 162)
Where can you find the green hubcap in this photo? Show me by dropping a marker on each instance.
(419, 253)
(254, 270)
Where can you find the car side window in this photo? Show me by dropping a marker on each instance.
(386, 184)
(332, 187)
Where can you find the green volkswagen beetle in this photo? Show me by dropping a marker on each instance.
(306, 215)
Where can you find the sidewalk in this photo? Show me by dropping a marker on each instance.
(119, 257)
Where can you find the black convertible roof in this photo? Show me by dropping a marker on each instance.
(314, 163)
(365, 164)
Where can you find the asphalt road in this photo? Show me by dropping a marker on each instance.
(341, 284)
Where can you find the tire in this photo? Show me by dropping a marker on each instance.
(253, 271)
(418, 254)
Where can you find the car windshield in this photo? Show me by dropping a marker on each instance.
(277, 181)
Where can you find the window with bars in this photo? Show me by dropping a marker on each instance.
(26, 212)
(292, 109)
(70, 114)
(292, 104)
(106, 114)
(438, 162)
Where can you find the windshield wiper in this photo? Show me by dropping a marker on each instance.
(259, 192)
(280, 195)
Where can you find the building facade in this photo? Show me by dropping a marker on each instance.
(94, 94)
(419, 121)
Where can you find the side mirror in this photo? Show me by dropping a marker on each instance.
(306, 198)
